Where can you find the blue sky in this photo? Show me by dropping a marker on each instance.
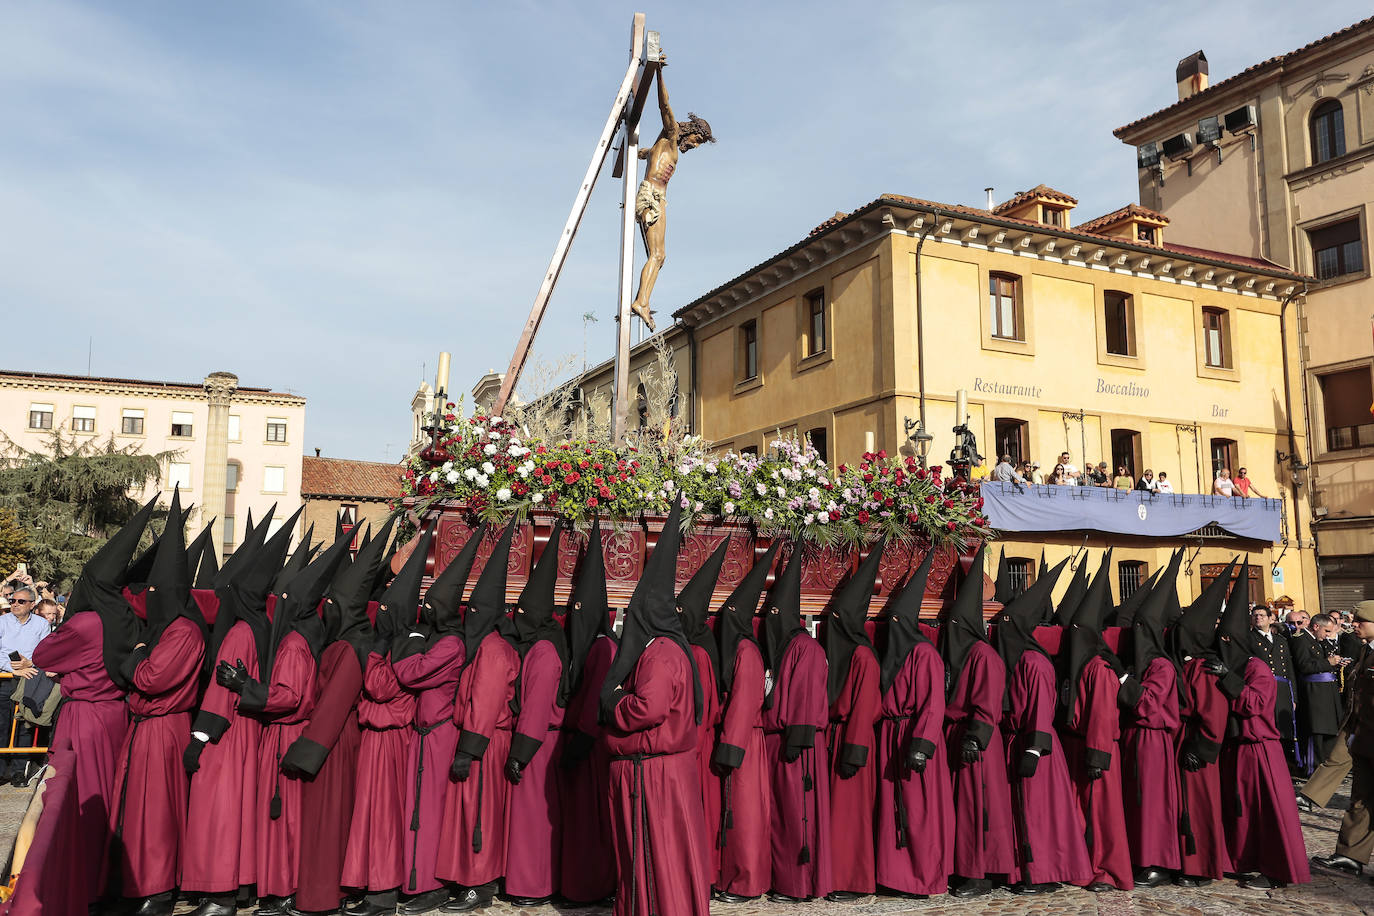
(321, 196)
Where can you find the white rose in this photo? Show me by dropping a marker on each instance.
(537, 498)
(503, 494)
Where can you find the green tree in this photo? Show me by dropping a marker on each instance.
(14, 546)
(68, 499)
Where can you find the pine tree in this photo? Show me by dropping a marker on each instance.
(14, 546)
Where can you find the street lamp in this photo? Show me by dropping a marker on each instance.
(920, 440)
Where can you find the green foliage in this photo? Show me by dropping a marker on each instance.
(14, 546)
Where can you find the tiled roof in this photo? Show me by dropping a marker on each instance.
(1240, 260)
(322, 477)
(1279, 61)
(146, 383)
(1117, 216)
(1039, 191)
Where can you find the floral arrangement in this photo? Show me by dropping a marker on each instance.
(496, 471)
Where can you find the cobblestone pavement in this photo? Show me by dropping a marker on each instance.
(1329, 894)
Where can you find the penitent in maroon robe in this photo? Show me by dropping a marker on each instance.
(706, 741)
(92, 725)
(219, 854)
(588, 859)
(375, 859)
(1091, 738)
(915, 811)
(982, 797)
(433, 677)
(851, 736)
(1205, 711)
(534, 824)
(1049, 832)
(472, 839)
(1263, 832)
(656, 819)
(150, 814)
(283, 704)
(745, 860)
(327, 753)
(800, 832)
(1148, 745)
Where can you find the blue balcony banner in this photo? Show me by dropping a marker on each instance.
(1017, 507)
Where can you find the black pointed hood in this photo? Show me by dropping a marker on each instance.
(533, 621)
(735, 622)
(441, 612)
(1082, 640)
(401, 600)
(1195, 633)
(1173, 608)
(963, 623)
(232, 601)
(248, 526)
(1147, 630)
(195, 552)
(1073, 595)
(1016, 623)
(207, 564)
(487, 603)
(169, 580)
(589, 608)
(345, 602)
(298, 604)
(904, 621)
(300, 559)
(1005, 588)
(694, 605)
(1124, 615)
(652, 614)
(845, 619)
(1233, 643)
(781, 611)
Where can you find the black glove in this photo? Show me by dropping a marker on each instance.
(1029, 761)
(1094, 773)
(969, 751)
(190, 758)
(232, 677)
(1217, 669)
(847, 770)
(1191, 762)
(462, 767)
(514, 771)
(916, 761)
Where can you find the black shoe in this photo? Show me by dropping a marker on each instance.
(1256, 881)
(423, 903)
(216, 906)
(784, 898)
(1100, 887)
(274, 906)
(1026, 888)
(727, 897)
(372, 905)
(19, 780)
(465, 901)
(1191, 881)
(527, 902)
(157, 905)
(1304, 804)
(844, 896)
(1151, 877)
(973, 887)
(1339, 863)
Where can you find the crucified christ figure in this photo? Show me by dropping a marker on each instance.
(676, 138)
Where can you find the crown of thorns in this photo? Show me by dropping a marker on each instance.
(696, 127)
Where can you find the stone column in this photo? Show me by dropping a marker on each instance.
(219, 389)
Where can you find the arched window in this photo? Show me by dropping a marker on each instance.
(1328, 131)
(642, 406)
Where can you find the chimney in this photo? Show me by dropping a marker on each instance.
(317, 453)
(1191, 75)
(991, 202)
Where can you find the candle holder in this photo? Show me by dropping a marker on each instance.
(435, 454)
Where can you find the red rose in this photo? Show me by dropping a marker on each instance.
(877, 494)
(931, 499)
(584, 463)
(605, 493)
(863, 517)
(949, 504)
(882, 454)
(913, 517)
(835, 516)
(951, 525)
(598, 466)
(572, 478)
(887, 503)
(868, 478)
(922, 473)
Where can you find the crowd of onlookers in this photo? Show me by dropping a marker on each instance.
(1065, 473)
(28, 611)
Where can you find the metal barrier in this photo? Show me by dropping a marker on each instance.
(42, 732)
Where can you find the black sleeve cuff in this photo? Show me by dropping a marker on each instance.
(1231, 685)
(523, 748)
(305, 755)
(1206, 750)
(728, 755)
(1040, 741)
(253, 697)
(856, 755)
(923, 746)
(1100, 759)
(979, 731)
(799, 736)
(1129, 695)
(131, 663)
(473, 744)
(213, 725)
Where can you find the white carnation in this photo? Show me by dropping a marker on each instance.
(729, 508)
(537, 498)
(503, 494)
(451, 476)
(489, 449)
(488, 467)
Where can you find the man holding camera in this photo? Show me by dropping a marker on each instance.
(20, 631)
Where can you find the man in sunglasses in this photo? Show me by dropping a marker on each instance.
(20, 631)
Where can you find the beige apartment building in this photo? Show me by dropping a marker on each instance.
(1277, 162)
(236, 449)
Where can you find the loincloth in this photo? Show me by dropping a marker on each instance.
(649, 203)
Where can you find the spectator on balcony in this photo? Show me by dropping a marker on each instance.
(1244, 485)
(20, 631)
(1224, 485)
(1070, 469)
(1123, 480)
(1007, 472)
(1098, 476)
(1031, 471)
(1162, 484)
(1147, 482)
(1060, 477)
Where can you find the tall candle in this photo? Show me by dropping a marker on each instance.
(441, 377)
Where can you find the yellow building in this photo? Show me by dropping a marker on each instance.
(1274, 163)
(1104, 341)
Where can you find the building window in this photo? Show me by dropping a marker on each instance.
(182, 423)
(1337, 250)
(131, 422)
(1119, 313)
(1052, 216)
(235, 428)
(1346, 397)
(40, 416)
(1004, 305)
(1328, 131)
(749, 350)
(1011, 438)
(1126, 451)
(642, 405)
(273, 479)
(1146, 234)
(1216, 338)
(1130, 575)
(228, 534)
(818, 442)
(231, 477)
(1020, 570)
(750, 450)
(815, 322)
(179, 475)
(348, 521)
(276, 429)
(83, 419)
(1224, 455)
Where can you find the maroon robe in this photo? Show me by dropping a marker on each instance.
(851, 735)
(328, 749)
(983, 841)
(1049, 831)
(745, 860)
(1263, 833)
(656, 819)
(534, 825)
(1204, 715)
(914, 839)
(588, 861)
(800, 829)
(1152, 783)
(706, 742)
(289, 698)
(472, 839)
(1091, 738)
(220, 851)
(150, 815)
(433, 677)
(91, 724)
(375, 858)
